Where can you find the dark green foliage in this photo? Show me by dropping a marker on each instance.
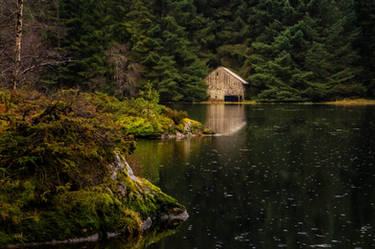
(161, 45)
(366, 41)
(287, 50)
(306, 52)
(89, 27)
(158, 43)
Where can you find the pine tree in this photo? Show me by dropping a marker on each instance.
(88, 33)
(306, 52)
(365, 10)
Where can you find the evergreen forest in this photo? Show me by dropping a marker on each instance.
(286, 49)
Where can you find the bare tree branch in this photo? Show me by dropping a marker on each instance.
(6, 70)
(51, 63)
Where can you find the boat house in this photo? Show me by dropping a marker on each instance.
(224, 85)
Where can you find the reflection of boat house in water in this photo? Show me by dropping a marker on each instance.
(225, 119)
(224, 85)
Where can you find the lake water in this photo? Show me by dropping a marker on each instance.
(277, 176)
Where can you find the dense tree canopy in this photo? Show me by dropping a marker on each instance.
(287, 50)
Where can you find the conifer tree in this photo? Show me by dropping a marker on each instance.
(365, 10)
(286, 49)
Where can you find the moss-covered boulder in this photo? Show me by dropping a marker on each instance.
(125, 205)
(192, 127)
(63, 176)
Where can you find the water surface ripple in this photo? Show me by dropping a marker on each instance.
(281, 176)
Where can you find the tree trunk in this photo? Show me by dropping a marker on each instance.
(19, 29)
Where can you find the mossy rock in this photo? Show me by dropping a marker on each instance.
(82, 213)
(192, 126)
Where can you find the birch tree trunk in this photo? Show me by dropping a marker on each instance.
(19, 29)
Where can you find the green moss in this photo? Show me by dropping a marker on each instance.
(142, 127)
(147, 199)
(56, 162)
(137, 126)
(180, 127)
(164, 125)
(208, 131)
(84, 212)
(192, 126)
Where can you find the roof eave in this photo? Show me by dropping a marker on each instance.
(236, 76)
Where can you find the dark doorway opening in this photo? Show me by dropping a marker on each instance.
(231, 98)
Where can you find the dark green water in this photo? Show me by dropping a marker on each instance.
(281, 176)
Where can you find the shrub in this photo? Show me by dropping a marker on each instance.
(176, 116)
(137, 126)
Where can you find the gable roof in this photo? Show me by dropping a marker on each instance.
(235, 75)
